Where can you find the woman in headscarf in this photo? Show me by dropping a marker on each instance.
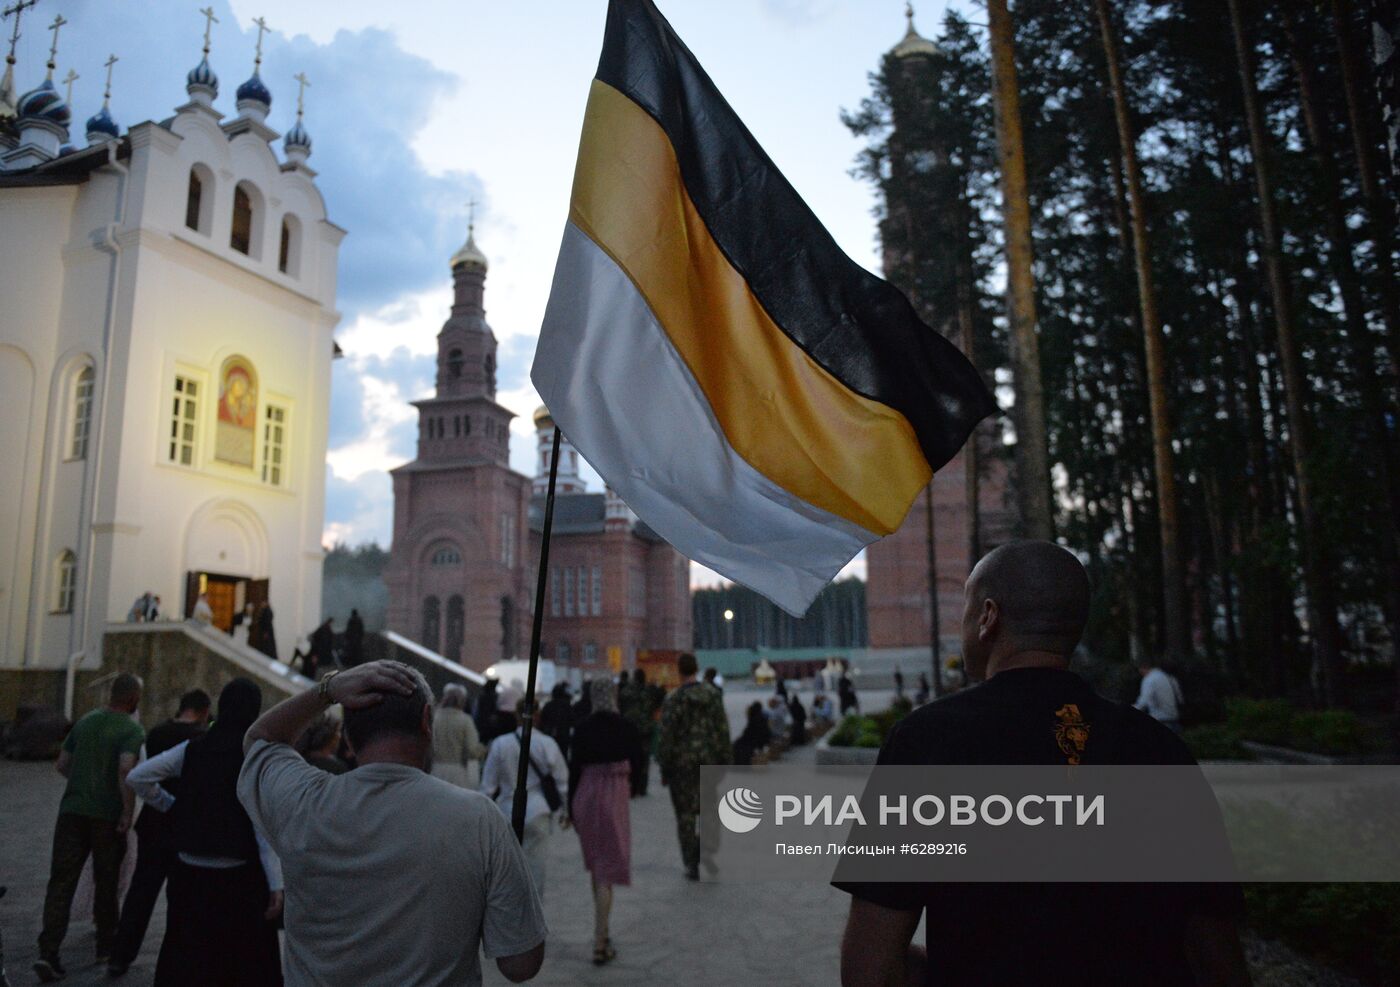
(799, 720)
(604, 748)
(457, 748)
(756, 736)
(225, 891)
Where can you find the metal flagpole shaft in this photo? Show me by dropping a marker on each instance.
(517, 813)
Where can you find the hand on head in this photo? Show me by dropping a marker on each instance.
(366, 685)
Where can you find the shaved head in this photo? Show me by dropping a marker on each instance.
(1025, 596)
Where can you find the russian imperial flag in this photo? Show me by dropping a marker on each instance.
(756, 397)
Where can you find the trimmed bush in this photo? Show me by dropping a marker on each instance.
(850, 728)
(1266, 721)
(1352, 926)
(870, 731)
(1332, 731)
(1215, 742)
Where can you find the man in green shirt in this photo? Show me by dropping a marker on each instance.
(93, 819)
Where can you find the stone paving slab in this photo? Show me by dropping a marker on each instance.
(665, 928)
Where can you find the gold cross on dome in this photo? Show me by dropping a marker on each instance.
(262, 29)
(302, 84)
(107, 92)
(17, 9)
(209, 21)
(69, 79)
(58, 22)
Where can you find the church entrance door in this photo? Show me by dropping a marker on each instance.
(227, 595)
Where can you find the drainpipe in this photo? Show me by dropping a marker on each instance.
(70, 684)
(108, 244)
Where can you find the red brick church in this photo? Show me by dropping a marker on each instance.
(466, 541)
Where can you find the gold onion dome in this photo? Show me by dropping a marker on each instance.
(913, 42)
(470, 254)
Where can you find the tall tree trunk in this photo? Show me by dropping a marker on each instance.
(1317, 568)
(935, 638)
(1032, 444)
(967, 329)
(1358, 333)
(1176, 618)
(1378, 215)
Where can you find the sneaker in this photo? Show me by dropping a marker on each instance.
(49, 969)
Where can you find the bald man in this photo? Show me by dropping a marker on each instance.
(1025, 607)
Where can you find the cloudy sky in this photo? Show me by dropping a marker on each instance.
(417, 108)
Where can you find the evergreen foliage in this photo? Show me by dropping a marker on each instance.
(931, 153)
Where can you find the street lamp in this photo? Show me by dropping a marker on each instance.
(729, 627)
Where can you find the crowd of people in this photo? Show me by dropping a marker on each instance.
(215, 821)
(254, 625)
(360, 831)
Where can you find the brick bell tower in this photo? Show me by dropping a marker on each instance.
(456, 575)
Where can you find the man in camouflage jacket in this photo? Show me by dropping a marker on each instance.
(694, 731)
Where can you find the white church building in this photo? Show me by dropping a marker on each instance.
(167, 301)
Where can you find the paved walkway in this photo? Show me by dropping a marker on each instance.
(665, 928)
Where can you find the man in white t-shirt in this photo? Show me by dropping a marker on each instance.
(499, 775)
(1160, 695)
(392, 876)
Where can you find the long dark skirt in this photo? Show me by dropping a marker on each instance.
(215, 933)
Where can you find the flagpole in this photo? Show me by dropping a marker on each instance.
(517, 814)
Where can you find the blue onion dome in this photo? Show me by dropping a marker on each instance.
(102, 123)
(45, 103)
(297, 139)
(254, 90)
(202, 76)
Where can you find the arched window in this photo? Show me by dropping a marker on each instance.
(446, 555)
(456, 426)
(490, 365)
(563, 653)
(456, 629)
(432, 621)
(241, 238)
(245, 236)
(466, 424)
(82, 414)
(454, 363)
(65, 582)
(590, 653)
(289, 249)
(199, 199)
(508, 628)
(193, 200)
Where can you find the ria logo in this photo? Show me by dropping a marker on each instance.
(740, 810)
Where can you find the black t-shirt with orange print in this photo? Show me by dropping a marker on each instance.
(1087, 934)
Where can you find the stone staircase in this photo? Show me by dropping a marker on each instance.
(439, 671)
(173, 658)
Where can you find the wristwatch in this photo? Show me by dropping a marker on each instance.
(325, 687)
